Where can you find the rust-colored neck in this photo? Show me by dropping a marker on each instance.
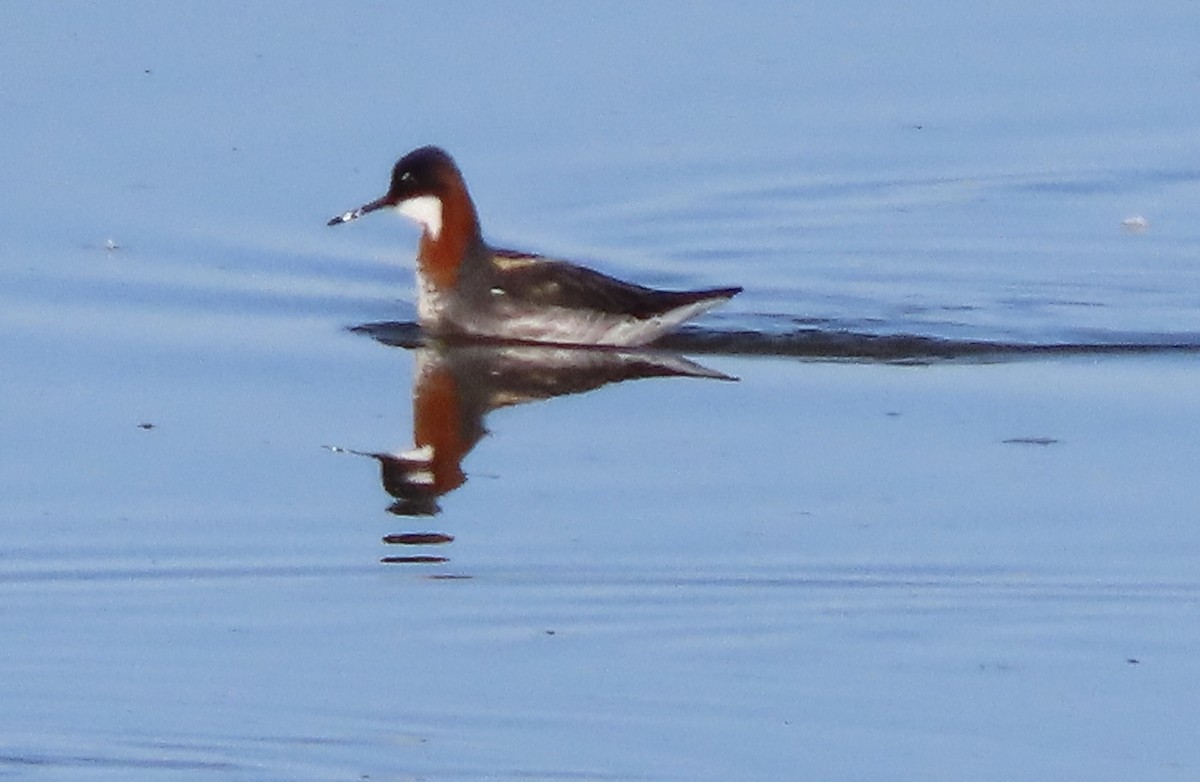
(441, 258)
(437, 423)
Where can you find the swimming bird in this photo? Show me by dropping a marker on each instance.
(466, 288)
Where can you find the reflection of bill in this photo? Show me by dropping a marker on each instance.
(455, 387)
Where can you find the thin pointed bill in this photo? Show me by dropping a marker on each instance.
(354, 214)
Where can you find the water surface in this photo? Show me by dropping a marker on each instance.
(940, 527)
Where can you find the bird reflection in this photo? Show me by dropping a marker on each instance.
(455, 386)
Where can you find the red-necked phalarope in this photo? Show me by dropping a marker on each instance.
(468, 288)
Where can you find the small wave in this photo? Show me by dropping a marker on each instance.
(833, 344)
(861, 346)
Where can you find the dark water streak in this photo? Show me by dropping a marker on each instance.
(818, 343)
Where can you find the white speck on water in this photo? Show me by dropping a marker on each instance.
(1135, 224)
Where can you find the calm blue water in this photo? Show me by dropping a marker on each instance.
(856, 570)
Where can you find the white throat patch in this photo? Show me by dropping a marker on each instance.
(426, 210)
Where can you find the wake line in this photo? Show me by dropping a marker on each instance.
(818, 343)
(826, 344)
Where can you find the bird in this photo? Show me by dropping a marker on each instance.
(469, 289)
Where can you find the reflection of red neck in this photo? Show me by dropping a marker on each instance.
(437, 423)
(441, 258)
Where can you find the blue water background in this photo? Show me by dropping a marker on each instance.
(837, 570)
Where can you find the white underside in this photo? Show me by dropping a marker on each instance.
(426, 210)
(429, 303)
(554, 325)
(571, 327)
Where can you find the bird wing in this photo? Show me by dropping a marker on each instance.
(547, 282)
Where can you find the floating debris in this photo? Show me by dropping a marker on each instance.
(1135, 224)
(418, 538)
(423, 560)
(1030, 441)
